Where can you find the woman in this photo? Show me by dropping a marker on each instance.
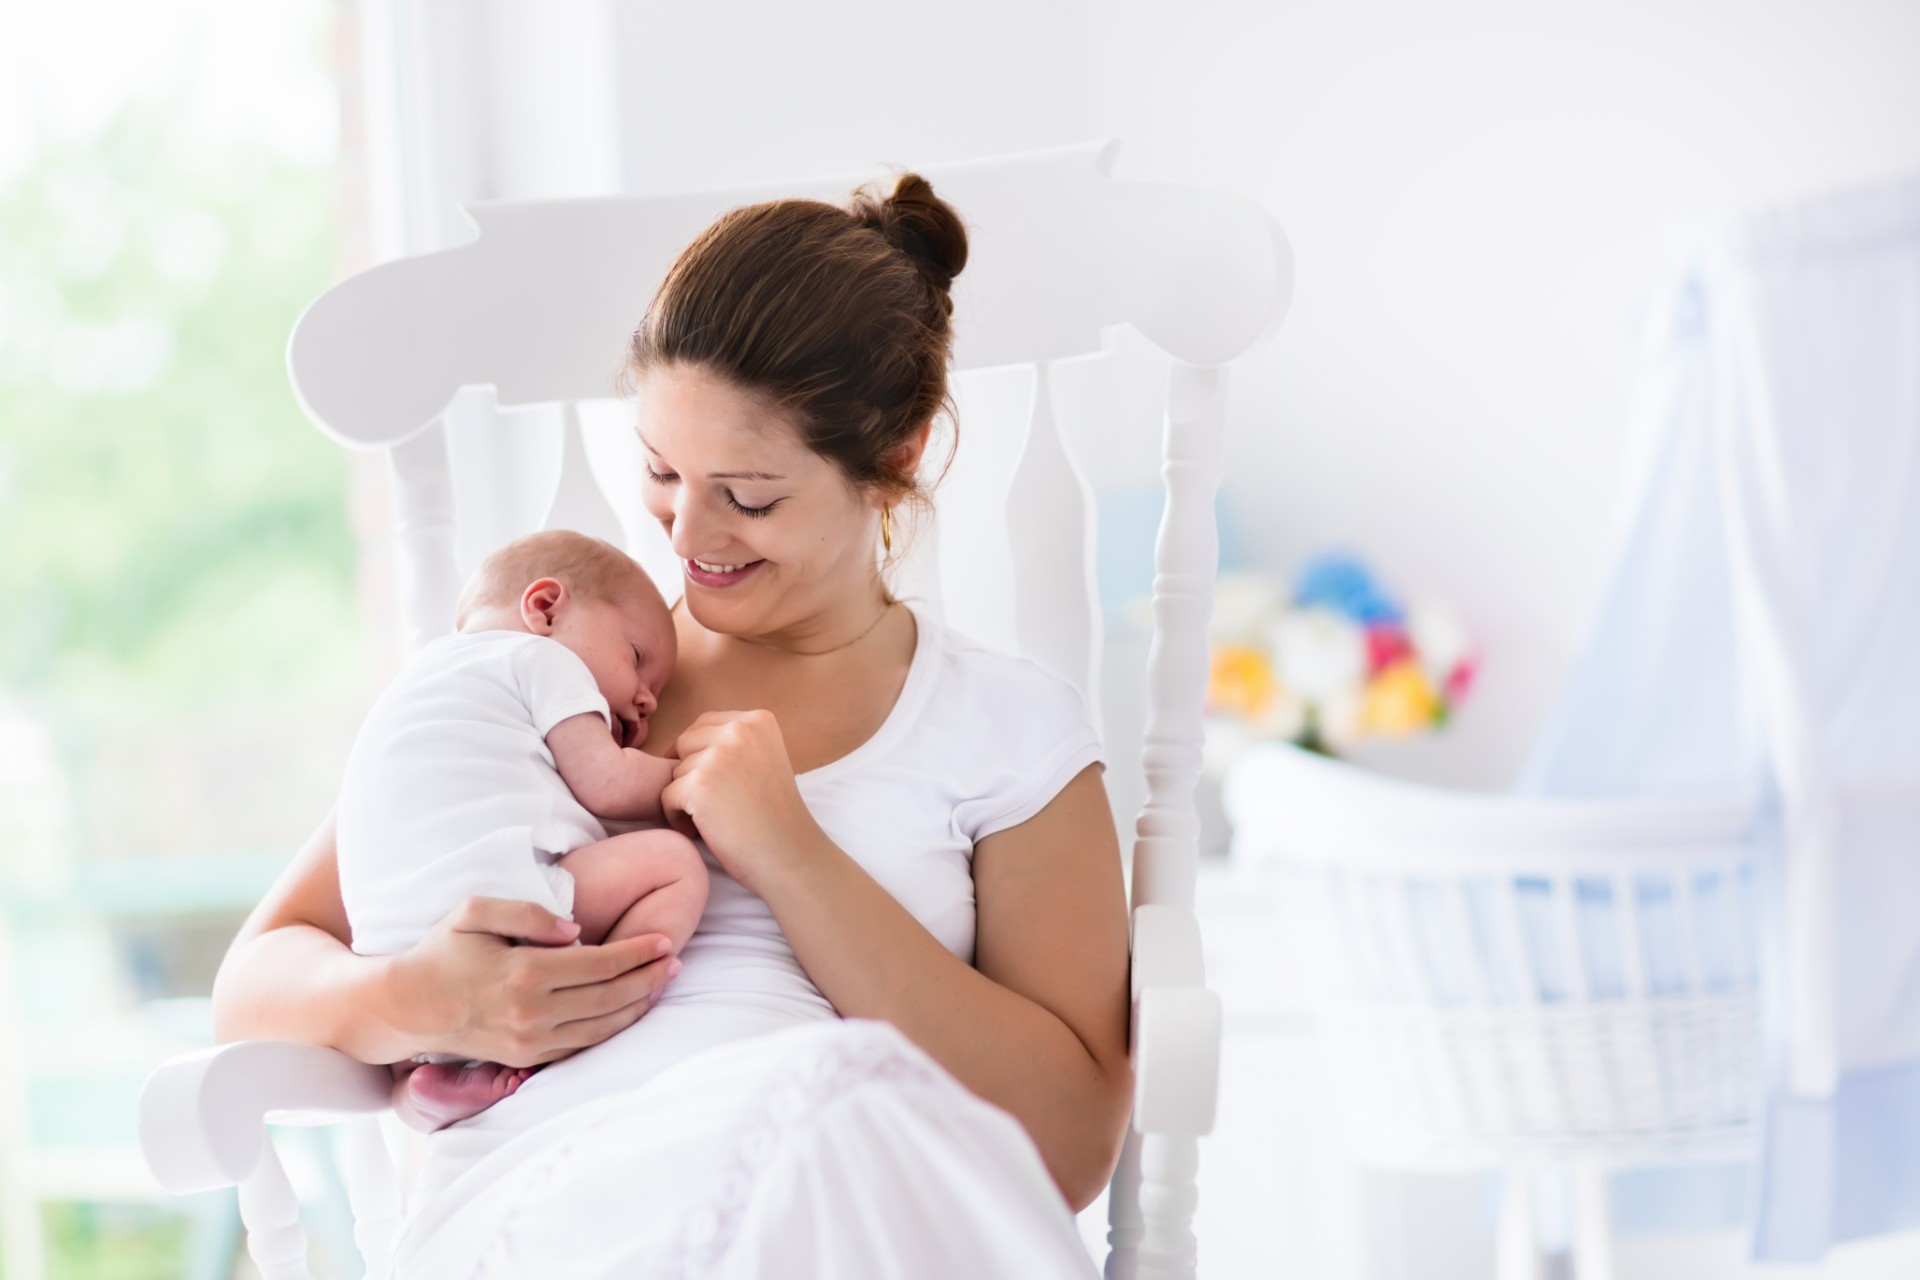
(904, 829)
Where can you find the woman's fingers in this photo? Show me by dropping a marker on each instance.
(582, 984)
(709, 728)
(673, 803)
(584, 1033)
(572, 1037)
(589, 1014)
(630, 990)
(507, 918)
(589, 966)
(480, 996)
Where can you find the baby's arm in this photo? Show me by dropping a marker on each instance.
(612, 781)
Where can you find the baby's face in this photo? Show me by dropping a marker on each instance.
(629, 645)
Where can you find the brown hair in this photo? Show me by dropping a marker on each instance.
(840, 317)
(589, 568)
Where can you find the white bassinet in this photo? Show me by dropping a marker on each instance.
(1518, 984)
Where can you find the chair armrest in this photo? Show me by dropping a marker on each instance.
(1176, 1025)
(203, 1115)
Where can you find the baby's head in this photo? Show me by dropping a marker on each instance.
(590, 596)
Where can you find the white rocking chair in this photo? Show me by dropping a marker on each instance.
(538, 309)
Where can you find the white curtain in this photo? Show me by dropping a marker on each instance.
(1760, 629)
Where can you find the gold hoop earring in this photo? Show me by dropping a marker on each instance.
(886, 529)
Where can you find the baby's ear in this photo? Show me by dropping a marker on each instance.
(540, 603)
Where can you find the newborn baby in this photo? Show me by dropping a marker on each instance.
(486, 767)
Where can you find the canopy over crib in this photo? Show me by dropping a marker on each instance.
(1758, 627)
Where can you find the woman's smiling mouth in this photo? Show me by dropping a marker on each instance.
(719, 575)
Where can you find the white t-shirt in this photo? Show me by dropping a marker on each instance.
(978, 741)
(450, 790)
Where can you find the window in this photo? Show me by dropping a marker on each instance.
(186, 655)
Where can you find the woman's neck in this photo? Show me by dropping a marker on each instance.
(857, 629)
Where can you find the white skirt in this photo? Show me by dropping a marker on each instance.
(833, 1151)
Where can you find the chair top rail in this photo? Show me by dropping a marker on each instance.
(539, 305)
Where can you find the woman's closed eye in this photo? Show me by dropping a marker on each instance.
(658, 478)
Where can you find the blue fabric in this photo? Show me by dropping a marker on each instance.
(1757, 631)
(1842, 1168)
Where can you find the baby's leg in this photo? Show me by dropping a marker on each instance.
(641, 882)
(432, 1095)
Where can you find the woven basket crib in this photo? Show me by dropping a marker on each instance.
(1516, 983)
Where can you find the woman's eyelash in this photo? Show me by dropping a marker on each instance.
(732, 501)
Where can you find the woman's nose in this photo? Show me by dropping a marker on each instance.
(689, 526)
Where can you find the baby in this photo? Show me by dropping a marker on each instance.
(487, 765)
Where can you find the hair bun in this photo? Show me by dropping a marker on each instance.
(918, 223)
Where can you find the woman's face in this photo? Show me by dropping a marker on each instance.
(770, 535)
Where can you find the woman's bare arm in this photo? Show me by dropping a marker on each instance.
(1039, 1027)
(300, 928)
(465, 988)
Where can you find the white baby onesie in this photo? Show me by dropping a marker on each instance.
(450, 791)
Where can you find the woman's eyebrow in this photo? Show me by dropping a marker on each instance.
(721, 475)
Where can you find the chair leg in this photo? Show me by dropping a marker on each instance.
(1517, 1251)
(1592, 1224)
(1123, 1213)
(275, 1238)
(373, 1190)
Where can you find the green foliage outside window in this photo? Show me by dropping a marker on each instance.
(174, 532)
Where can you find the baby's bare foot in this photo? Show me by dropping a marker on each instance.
(439, 1093)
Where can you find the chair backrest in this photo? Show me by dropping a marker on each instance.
(540, 305)
(538, 310)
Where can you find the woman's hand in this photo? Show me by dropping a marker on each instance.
(734, 788)
(470, 990)
(464, 988)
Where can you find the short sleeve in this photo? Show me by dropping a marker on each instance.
(1042, 738)
(557, 685)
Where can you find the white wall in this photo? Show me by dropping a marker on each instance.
(1476, 193)
(717, 94)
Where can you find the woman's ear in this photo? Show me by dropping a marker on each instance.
(903, 459)
(541, 603)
